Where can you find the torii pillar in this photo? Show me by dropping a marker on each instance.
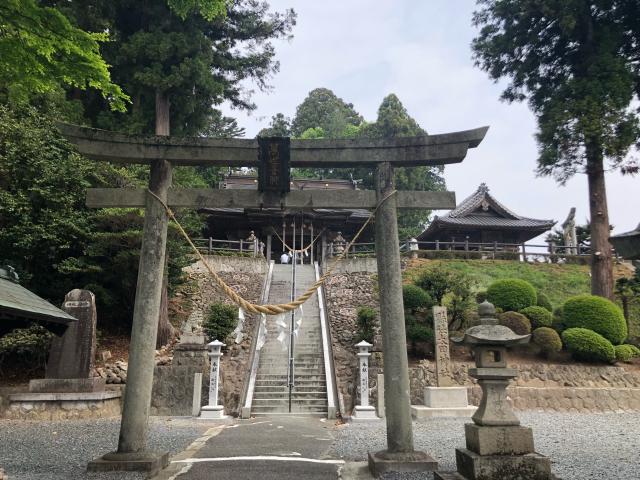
(384, 155)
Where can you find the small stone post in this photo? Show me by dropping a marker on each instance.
(213, 410)
(364, 411)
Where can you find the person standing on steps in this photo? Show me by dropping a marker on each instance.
(284, 258)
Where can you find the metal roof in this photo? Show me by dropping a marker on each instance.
(18, 302)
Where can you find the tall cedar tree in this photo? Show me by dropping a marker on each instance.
(191, 62)
(576, 63)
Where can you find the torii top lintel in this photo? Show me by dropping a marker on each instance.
(401, 151)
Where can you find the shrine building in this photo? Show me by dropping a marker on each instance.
(481, 222)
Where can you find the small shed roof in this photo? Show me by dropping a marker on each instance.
(18, 302)
(482, 211)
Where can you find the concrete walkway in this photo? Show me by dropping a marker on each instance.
(265, 448)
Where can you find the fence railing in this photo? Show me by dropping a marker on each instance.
(246, 248)
(523, 252)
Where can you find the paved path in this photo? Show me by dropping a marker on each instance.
(265, 448)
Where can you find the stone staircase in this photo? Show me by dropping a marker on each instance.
(271, 394)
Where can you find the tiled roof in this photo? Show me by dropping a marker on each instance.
(480, 210)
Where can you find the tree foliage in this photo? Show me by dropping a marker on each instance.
(323, 108)
(198, 62)
(41, 51)
(576, 63)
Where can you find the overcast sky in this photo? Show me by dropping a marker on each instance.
(364, 50)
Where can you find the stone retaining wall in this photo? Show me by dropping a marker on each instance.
(345, 294)
(53, 406)
(245, 276)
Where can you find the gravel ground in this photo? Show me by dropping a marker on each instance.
(60, 450)
(581, 446)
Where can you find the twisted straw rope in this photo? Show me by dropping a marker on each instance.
(277, 308)
(300, 250)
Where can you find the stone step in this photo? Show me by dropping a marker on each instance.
(308, 402)
(312, 395)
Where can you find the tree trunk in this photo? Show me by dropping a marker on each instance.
(601, 254)
(165, 329)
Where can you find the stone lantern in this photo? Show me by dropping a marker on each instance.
(497, 446)
(213, 410)
(364, 411)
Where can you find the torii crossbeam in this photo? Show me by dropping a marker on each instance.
(161, 152)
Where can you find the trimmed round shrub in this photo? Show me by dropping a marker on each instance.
(366, 323)
(624, 353)
(481, 296)
(543, 301)
(413, 298)
(558, 322)
(418, 332)
(597, 314)
(516, 322)
(588, 345)
(548, 340)
(220, 321)
(538, 316)
(511, 294)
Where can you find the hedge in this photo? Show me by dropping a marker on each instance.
(366, 323)
(597, 314)
(538, 316)
(516, 322)
(588, 345)
(624, 353)
(512, 294)
(548, 340)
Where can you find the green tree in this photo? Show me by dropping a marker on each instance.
(323, 108)
(280, 126)
(576, 63)
(187, 62)
(41, 51)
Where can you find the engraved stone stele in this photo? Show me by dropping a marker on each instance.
(445, 399)
(497, 447)
(213, 410)
(71, 356)
(364, 411)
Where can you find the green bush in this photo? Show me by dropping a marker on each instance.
(25, 348)
(511, 294)
(558, 322)
(624, 353)
(414, 298)
(481, 296)
(418, 332)
(366, 323)
(538, 316)
(543, 301)
(516, 322)
(548, 340)
(585, 344)
(597, 314)
(220, 321)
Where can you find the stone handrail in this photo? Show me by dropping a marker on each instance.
(326, 350)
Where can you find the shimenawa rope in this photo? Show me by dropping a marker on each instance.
(277, 308)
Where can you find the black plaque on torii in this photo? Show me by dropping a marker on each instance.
(274, 154)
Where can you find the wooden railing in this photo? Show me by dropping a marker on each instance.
(212, 246)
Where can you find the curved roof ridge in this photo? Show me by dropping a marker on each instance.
(481, 198)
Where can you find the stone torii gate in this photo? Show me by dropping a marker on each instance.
(163, 152)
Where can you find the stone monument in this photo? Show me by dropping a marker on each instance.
(498, 447)
(445, 399)
(569, 233)
(71, 356)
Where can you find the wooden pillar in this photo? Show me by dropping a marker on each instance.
(301, 239)
(313, 247)
(396, 368)
(323, 252)
(146, 309)
(268, 247)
